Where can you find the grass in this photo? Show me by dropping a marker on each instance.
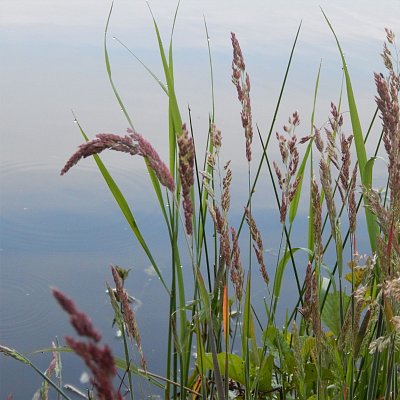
(341, 339)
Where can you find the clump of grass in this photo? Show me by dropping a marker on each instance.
(341, 340)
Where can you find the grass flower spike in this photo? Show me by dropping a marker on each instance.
(99, 359)
(241, 80)
(103, 141)
(186, 164)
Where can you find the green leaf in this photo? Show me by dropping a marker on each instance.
(248, 325)
(359, 143)
(203, 292)
(20, 357)
(235, 365)
(126, 211)
(281, 268)
(296, 199)
(236, 369)
(109, 73)
(264, 376)
(330, 313)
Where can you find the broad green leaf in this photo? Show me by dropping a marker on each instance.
(236, 369)
(264, 374)
(330, 313)
(235, 365)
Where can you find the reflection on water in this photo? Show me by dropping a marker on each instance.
(66, 232)
(25, 303)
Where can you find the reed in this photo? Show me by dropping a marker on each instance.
(341, 341)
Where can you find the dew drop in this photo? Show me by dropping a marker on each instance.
(75, 121)
(84, 378)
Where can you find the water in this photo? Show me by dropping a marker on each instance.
(66, 231)
(53, 237)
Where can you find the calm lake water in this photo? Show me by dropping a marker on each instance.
(65, 232)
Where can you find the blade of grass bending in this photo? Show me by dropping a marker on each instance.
(359, 142)
(20, 357)
(126, 211)
(108, 67)
(150, 376)
(155, 182)
(296, 199)
(203, 194)
(271, 128)
(170, 39)
(173, 104)
(157, 189)
(154, 76)
(211, 71)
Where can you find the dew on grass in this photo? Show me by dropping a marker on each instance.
(84, 378)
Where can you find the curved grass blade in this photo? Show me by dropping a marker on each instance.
(174, 114)
(126, 211)
(108, 67)
(211, 71)
(154, 181)
(153, 75)
(359, 142)
(21, 358)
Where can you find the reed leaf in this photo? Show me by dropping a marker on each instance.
(126, 211)
(359, 142)
(21, 358)
(296, 199)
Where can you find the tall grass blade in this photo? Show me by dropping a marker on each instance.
(289, 253)
(21, 358)
(175, 117)
(109, 73)
(153, 75)
(359, 142)
(126, 211)
(296, 199)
